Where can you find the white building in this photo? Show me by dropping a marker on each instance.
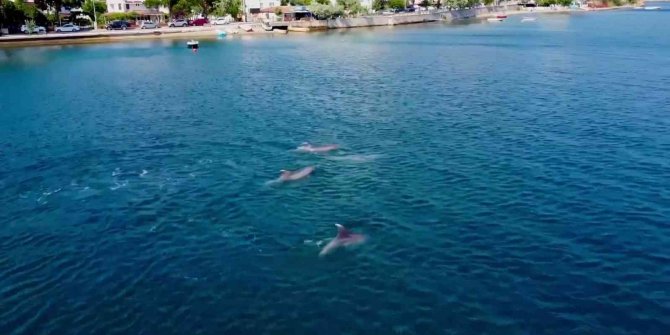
(125, 6)
(252, 8)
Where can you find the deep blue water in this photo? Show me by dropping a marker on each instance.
(512, 179)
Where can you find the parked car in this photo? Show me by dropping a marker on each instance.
(199, 22)
(222, 20)
(36, 29)
(149, 25)
(118, 24)
(67, 27)
(178, 23)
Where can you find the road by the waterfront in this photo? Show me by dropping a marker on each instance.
(110, 33)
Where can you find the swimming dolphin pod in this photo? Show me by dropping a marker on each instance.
(306, 147)
(295, 175)
(344, 238)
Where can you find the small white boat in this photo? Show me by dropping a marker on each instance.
(528, 19)
(652, 8)
(495, 19)
(192, 44)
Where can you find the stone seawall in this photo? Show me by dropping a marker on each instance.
(399, 19)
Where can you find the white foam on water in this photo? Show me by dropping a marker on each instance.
(48, 193)
(272, 182)
(118, 185)
(144, 173)
(355, 158)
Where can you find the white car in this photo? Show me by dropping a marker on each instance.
(149, 25)
(69, 27)
(178, 23)
(37, 29)
(221, 20)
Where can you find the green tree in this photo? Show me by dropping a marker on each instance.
(425, 3)
(158, 3)
(183, 8)
(228, 7)
(100, 8)
(378, 4)
(323, 12)
(206, 6)
(490, 2)
(462, 3)
(284, 2)
(300, 2)
(351, 6)
(396, 4)
(323, 2)
(11, 16)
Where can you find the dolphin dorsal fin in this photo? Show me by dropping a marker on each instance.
(342, 232)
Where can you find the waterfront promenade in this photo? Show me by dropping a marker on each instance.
(295, 26)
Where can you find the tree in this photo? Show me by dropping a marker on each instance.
(490, 2)
(284, 2)
(426, 3)
(351, 6)
(205, 6)
(100, 8)
(300, 2)
(462, 3)
(378, 4)
(183, 7)
(228, 7)
(396, 4)
(11, 16)
(158, 3)
(323, 12)
(323, 2)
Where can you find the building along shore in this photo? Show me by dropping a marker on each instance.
(246, 29)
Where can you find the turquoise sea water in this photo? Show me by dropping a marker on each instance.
(511, 178)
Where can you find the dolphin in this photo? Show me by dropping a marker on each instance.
(344, 238)
(306, 147)
(295, 175)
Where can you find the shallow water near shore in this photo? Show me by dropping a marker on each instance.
(511, 178)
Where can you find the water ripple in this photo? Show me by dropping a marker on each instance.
(502, 187)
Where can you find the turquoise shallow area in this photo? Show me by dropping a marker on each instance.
(512, 178)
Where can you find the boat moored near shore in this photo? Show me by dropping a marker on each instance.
(193, 44)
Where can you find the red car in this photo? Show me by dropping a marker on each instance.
(199, 22)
